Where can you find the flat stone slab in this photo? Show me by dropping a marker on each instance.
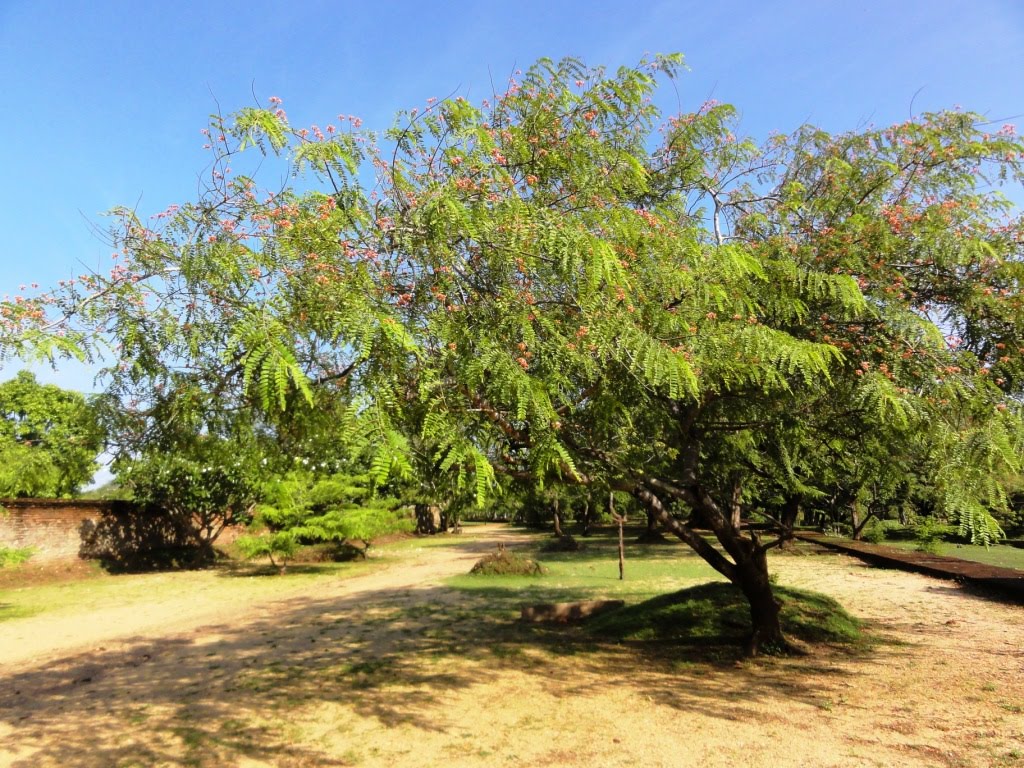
(563, 613)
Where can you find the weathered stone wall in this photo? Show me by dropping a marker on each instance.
(54, 528)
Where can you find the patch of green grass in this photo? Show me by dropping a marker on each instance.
(10, 611)
(138, 715)
(365, 667)
(507, 651)
(594, 572)
(717, 613)
(817, 618)
(709, 614)
(421, 542)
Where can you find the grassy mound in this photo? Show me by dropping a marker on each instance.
(717, 613)
(505, 563)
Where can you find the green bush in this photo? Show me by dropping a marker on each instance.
(505, 563)
(212, 485)
(300, 509)
(873, 533)
(929, 546)
(930, 535)
(13, 556)
(279, 547)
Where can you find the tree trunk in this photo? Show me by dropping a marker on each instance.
(652, 524)
(735, 508)
(855, 519)
(622, 550)
(748, 568)
(766, 629)
(790, 514)
(620, 519)
(858, 524)
(586, 517)
(788, 520)
(558, 519)
(426, 519)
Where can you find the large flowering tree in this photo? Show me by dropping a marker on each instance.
(556, 286)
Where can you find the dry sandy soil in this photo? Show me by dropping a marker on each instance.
(392, 668)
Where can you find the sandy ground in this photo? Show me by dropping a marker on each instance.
(391, 668)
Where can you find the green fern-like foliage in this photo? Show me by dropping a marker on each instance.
(304, 509)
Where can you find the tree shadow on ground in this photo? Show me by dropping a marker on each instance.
(996, 591)
(395, 657)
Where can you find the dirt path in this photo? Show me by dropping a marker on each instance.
(390, 669)
(42, 639)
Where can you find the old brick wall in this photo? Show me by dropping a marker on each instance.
(53, 527)
(120, 534)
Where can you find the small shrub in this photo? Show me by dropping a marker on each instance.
(929, 546)
(837, 529)
(340, 515)
(328, 552)
(278, 546)
(13, 556)
(505, 563)
(873, 533)
(930, 534)
(564, 543)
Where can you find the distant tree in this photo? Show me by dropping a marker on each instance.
(49, 439)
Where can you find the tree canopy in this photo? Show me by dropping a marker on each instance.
(50, 438)
(559, 285)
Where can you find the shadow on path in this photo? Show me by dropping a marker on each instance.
(392, 656)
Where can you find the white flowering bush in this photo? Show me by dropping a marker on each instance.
(212, 486)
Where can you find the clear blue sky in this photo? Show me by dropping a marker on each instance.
(104, 100)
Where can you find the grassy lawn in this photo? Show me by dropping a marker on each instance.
(30, 589)
(671, 596)
(594, 572)
(651, 571)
